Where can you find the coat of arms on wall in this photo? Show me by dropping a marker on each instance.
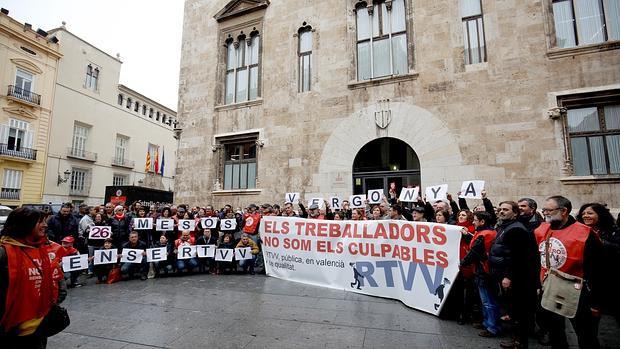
(383, 114)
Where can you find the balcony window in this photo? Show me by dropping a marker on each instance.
(78, 184)
(119, 151)
(16, 140)
(92, 77)
(24, 80)
(240, 165)
(11, 185)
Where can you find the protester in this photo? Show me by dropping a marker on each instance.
(528, 215)
(248, 263)
(514, 263)
(119, 224)
(581, 250)
(62, 224)
(207, 265)
(25, 299)
(103, 270)
(129, 270)
(224, 267)
(185, 265)
(164, 268)
(69, 250)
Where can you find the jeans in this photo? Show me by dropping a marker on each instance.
(163, 267)
(131, 268)
(187, 264)
(245, 263)
(91, 252)
(490, 308)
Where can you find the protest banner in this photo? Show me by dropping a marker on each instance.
(108, 256)
(291, 198)
(409, 194)
(208, 222)
(375, 196)
(413, 262)
(230, 224)
(243, 253)
(157, 254)
(335, 203)
(357, 201)
(142, 223)
(316, 201)
(75, 262)
(186, 252)
(224, 254)
(205, 251)
(164, 224)
(472, 189)
(131, 255)
(437, 192)
(187, 224)
(97, 232)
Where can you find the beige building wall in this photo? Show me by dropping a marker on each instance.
(497, 121)
(84, 156)
(25, 110)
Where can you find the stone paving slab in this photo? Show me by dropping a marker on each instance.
(243, 311)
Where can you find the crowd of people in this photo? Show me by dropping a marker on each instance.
(506, 253)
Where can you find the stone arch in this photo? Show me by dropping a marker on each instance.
(437, 147)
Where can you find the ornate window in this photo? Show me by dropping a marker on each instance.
(120, 99)
(305, 58)
(242, 65)
(583, 22)
(381, 39)
(92, 77)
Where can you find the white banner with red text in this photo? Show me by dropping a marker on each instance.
(413, 262)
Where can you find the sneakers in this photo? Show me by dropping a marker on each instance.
(487, 334)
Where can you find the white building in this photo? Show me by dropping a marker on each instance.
(101, 131)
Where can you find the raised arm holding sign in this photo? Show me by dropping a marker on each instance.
(472, 189)
(437, 192)
(291, 198)
(409, 194)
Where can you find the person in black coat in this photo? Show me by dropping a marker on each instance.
(62, 224)
(207, 265)
(119, 224)
(514, 263)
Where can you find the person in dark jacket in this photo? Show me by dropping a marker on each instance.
(514, 263)
(62, 224)
(130, 269)
(119, 224)
(165, 267)
(207, 265)
(528, 215)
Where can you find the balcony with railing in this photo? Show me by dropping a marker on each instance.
(20, 94)
(21, 153)
(81, 154)
(77, 191)
(9, 194)
(122, 162)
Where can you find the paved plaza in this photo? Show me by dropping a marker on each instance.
(242, 311)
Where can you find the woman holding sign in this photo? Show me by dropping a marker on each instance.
(26, 287)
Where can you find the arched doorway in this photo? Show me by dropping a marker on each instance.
(384, 161)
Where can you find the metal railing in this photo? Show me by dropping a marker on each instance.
(79, 192)
(17, 152)
(121, 162)
(24, 95)
(10, 193)
(81, 154)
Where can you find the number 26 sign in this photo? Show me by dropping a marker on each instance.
(100, 232)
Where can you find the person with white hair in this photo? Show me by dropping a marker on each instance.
(119, 224)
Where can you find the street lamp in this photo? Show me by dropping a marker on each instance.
(65, 178)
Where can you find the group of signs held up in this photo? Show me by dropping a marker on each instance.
(157, 254)
(469, 190)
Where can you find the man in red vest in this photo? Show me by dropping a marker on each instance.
(575, 250)
(250, 221)
(26, 284)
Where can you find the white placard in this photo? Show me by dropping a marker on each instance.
(357, 201)
(409, 194)
(243, 253)
(97, 232)
(437, 192)
(186, 252)
(105, 256)
(205, 251)
(208, 222)
(472, 189)
(224, 254)
(375, 196)
(76, 262)
(142, 223)
(228, 224)
(131, 255)
(157, 254)
(164, 224)
(291, 198)
(316, 201)
(187, 224)
(335, 203)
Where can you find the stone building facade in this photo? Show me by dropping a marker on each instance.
(337, 97)
(28, 68)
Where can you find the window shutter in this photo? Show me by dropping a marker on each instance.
(4, 134)
(29, 139)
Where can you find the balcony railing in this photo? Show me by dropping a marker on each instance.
(24, 95)
(9, 194)
(81, 154)
(17, 152)
(122, 162)
(79, 191)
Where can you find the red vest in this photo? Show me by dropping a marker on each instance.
(566, 246)
(56, 252)
(251, 222)
(29, 296)
(489, 237)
